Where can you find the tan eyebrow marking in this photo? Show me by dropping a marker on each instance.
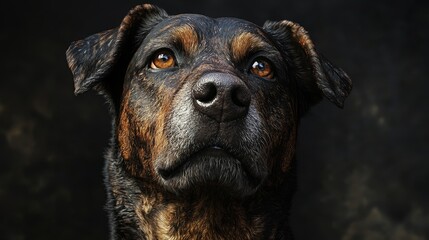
(187, 36)
(244, 43)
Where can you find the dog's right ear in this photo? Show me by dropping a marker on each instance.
(98, 60)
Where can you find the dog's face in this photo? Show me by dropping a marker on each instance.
(204, 103)
(211, 102)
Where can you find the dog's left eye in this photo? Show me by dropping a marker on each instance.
(262, 68)
(163, 59)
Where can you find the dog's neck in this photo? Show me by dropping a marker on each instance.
(202, 217)
(144, 211)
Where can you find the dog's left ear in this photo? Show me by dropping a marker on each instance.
(316, 76)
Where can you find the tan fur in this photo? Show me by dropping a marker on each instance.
(243, 43)
(123, 131)
(188, 38)
(205, 224)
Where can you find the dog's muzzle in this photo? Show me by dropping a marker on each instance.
(214, 138)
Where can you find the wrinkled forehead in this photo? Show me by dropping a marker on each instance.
(188, 32)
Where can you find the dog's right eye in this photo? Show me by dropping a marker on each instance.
(163, 59)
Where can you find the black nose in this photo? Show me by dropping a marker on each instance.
(221, 96)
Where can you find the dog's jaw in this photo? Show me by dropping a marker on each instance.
(209, 214)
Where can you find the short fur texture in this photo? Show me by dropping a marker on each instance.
(204, 149)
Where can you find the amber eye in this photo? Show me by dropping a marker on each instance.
(163, 59)
(262, 68)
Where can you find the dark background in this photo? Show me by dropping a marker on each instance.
(363, 171)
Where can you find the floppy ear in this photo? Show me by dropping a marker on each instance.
(316, 76)
(99, 60)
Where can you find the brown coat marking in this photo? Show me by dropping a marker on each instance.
(123, 131)
(187, 37)
(172, 221)
(244, 43)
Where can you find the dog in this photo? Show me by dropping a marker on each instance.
(205, 117)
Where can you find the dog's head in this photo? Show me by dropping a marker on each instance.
(205, 103)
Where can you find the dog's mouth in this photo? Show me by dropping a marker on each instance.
(212, 165)
(213, 152)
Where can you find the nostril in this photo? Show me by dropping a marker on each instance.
(240, 96)
(221, 96)
(205, 93)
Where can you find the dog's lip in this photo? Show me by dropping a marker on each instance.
(214, 150)
(173, 170)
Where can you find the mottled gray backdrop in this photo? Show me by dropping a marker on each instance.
(363, 171)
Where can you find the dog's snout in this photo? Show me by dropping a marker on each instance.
(221, 96)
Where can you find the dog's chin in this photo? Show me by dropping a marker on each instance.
(212, 170)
